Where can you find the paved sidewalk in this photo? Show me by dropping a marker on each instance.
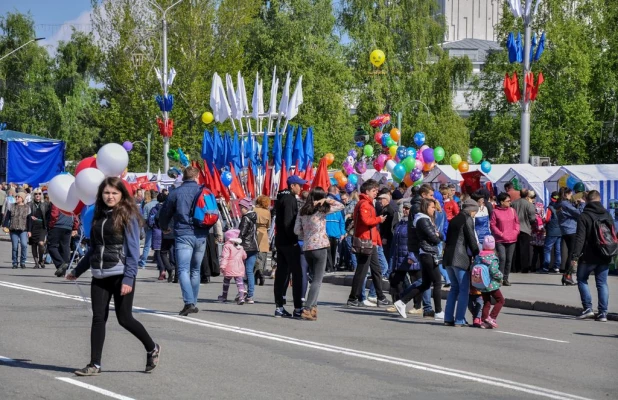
(537, 292)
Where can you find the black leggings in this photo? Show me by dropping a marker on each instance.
(38, 252)
(569, 240)
(101, 292)
(431, 274)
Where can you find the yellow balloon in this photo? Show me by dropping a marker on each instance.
(392, 151)
(562, 182)
(377, 57)
(207, 117)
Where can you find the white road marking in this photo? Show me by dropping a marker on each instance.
(533, 337)
(95, 389)
(6, 359)
(484, 379)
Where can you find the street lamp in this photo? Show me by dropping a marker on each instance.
(400, 115)
(23, 45)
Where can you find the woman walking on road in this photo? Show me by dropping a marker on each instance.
(113, 258)
(16, 223)
(505, 229)
(568, 216)
(37, 227)
(310, 227)
(262, 210)
(248, 235)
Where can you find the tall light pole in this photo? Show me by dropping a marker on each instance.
(166, 140)
(23, 45)
(524, 154)
(400, 116)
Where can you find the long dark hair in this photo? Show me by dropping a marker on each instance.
(316, 194)
(123, 212)
(564, 192)
(425, 203)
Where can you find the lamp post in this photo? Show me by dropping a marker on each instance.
(147, 146)
(400, 115)
(23, 45)
(166, 140)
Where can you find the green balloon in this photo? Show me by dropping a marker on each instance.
(476, 155)
(419, 182)
(408, 163)
(438, 153)
(368, 150)
(390, 142)
(455, 160)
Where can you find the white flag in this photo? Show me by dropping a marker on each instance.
(215, 100)
(272, 110)
(255, 101)
(261, 103)
(224, 111)
(159, 76)
(296, 100)
(241, 96)
(1, 103)
(171, 76)
(285, 97)
(231, 94)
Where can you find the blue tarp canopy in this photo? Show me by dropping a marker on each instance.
(30, 159)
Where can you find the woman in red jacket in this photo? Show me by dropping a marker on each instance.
(365, 227)
(505, 229)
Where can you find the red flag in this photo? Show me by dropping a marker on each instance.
(221, 189)
(308, 173)
(251, 181)
(283, 180)
(508, 92)
(297, 170)
(208, 181)
(235, 186)
(321, 176)
(529, 85)
(266, 186)
(535, 89)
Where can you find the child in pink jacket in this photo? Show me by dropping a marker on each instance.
(232, 265)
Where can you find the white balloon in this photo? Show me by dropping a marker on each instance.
(63, 193)
(87, 183)
(390, 165)
(112, 159)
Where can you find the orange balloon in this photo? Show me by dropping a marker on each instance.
(464, 166)
(330, 158)
(429, 167)
(395, 134)
(338, 175)
(342, 182)
(407, 180)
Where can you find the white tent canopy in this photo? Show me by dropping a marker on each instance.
(447, 174)
(531, 177)
(601, 177)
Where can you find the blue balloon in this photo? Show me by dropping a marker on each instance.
(87, 216)
(226, 178)
(360, 144)
(486, 167)
(385, 138)
(571, 182)
(353, 179)
(333, 181)
(402, 152)
(399, 171)
(419, 138)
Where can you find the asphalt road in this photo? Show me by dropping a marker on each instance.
(228, 351)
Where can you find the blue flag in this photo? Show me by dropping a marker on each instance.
(287, 151)
(277, 150)
(207, 144)
(540, 48)
(511, 47)
(309, 147)
(235, 155)
(264, 149)
(532, 46)
(228, 149)
(298, 154)
(520, 48)
(217, 148)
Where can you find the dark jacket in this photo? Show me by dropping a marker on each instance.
(45, 210)
(248, 231)
(386, 227)
(427, 234)
(568, 216)
(61, 221)
(178, 206)
(400, 253)
(526, 214)
(586, 248)
(286, 210)
(415, 208)
(552, 227)
(459, 239)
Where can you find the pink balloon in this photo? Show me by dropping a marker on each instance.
(382, 158)
(419, 164)
(423, 147)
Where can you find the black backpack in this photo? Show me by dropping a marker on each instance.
(605, 235)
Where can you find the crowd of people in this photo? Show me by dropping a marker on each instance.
(414, 238)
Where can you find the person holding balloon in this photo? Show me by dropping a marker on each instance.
(62, 228)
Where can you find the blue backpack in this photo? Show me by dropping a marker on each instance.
(153, 221)
(204, 211)
(479, 276)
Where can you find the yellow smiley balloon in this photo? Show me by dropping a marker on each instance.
(207, 117)
(377, 57)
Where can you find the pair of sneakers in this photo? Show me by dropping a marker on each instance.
(589, 314)
(152, 361)
(489, 323)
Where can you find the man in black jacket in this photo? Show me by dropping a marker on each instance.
(424, 192)
(587, 256)
(288, 250)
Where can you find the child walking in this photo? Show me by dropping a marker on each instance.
(488, 257)
(233, 266)
(475, 306)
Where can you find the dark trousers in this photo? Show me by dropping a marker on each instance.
(164, 254)
(59, 246)
(497, 295)
(569, 241)
(364, 263)
(505, 257)
(538, 253)
(397, 280)
(332, 254)
(523, 252)
(101, 292)
(431, 275)
(210, 262)
(288, 262)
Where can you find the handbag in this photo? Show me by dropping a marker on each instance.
(362, 246)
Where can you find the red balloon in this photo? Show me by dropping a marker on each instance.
(378, 137)
(88, 162)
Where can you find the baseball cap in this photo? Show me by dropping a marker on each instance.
(295, 180)
(385, 196)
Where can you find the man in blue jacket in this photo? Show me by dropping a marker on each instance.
(190, 241)
(335, 229)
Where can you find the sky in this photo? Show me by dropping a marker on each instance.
(52, 18)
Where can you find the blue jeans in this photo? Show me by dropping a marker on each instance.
(460, 289)
(426, 298)
(147, 244)
(19, 238)
(189, 254)
(555, 242)
(475, 305)
(600, 276)
(346, 244)
(384, 265)
(444, 274)
(249, 268)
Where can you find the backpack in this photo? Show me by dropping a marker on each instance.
(479, 276)
(152, 217)
(605, 235)
(204, 211)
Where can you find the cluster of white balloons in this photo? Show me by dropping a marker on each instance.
(70, 194)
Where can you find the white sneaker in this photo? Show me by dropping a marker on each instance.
(401, 308)
(439, 316)
(373, 299)
(368, 303)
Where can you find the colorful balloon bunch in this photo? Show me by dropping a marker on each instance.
(476, 155)
(347, 178)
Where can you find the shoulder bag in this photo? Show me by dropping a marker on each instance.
(361, 246)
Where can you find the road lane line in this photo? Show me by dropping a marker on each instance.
(6, 359)
(533, 337)
(484, 379)
(97, 389)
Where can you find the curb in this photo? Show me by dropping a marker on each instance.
(542, 306)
